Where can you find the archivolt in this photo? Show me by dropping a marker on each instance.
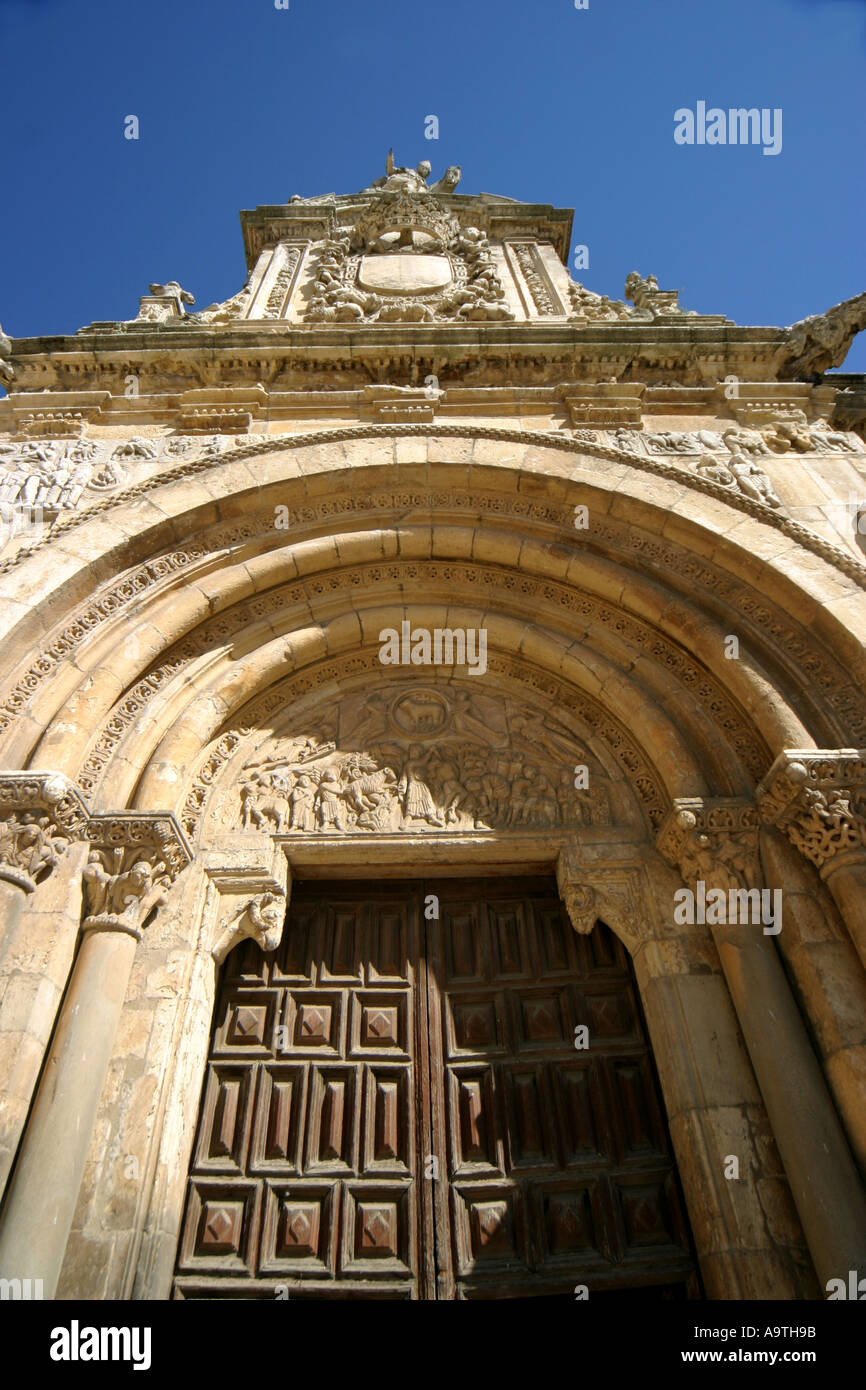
(630, 615)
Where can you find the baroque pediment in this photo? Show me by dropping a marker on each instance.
(422, 758)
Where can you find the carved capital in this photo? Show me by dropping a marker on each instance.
(817, 797)
(40, 812)
(133, 860)
(712, 841)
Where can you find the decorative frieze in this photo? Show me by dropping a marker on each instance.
(422, 760)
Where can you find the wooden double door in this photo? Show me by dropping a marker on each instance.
(398, 1104)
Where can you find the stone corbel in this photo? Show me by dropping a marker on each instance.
(817, 797)
(134, 859)
(713, 841)
(40, 813)
(591, 891)
(261, 918)
(249, 887)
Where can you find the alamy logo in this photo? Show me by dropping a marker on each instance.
(737, 126)
(854, 1289)
(76, 1343)
(715, 907)
(21, 1289)
(444, 646)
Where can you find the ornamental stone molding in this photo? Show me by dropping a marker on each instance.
(713, 841)
(40, 814)
(817, 797)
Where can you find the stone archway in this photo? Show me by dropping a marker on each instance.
(607, 641)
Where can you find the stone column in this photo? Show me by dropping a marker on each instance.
(133, 861)
(747, 1234)
(827, 975)
(714, 844)
(41, 816)
(817, 797)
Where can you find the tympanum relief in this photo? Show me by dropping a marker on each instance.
(422, 759)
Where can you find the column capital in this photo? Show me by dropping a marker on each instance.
(714, 840)
(817, 797)
(134, 859)
(40, 813)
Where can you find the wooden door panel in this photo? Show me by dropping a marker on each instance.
(396, 1108)
(304, 1171)
(559, 1169)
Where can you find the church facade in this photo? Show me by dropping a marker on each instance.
(432, 779)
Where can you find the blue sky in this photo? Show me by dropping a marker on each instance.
(240, 103)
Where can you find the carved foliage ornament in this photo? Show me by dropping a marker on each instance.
(818, 799)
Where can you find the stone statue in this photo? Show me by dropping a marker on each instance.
(395, 179)
(172, 290)
(645, 294)
(822, 341)
(404, 179)
(448, 181)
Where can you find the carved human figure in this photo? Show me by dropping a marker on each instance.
(131, 894)
(27, 844)
(418, 803)
(330, 805)
(787, 435)
(95, 884)
(446, 774)
(396, 179)
(745, 442)
(715, 469)
(303, 798)
(753, 481)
